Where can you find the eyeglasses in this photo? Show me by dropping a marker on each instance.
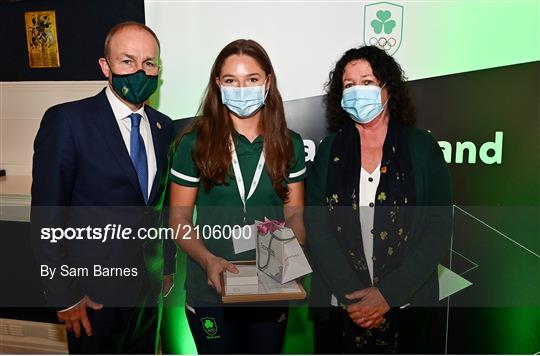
(128, 64)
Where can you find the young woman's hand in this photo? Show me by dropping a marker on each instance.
(214, 267)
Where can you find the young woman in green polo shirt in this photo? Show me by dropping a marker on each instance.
(237, 163)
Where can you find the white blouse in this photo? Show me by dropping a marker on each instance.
(368, 190)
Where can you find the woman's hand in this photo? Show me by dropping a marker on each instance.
(214, 267)
(182, 205)
(368, 312)
(293, 211)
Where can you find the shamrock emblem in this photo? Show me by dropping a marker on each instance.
(208, 324)
(383, 22)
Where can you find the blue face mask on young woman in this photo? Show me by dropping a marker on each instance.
(363, 102)
(243, 101)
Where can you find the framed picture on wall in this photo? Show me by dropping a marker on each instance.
(42, 39)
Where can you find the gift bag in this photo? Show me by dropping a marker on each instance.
(279, 254)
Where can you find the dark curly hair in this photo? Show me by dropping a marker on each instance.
(386, 69)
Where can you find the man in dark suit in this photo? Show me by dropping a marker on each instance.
(99, 169)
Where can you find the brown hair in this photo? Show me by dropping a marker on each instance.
(121, 26)
(212, 152)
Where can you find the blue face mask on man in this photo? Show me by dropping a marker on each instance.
(363, 102)
(243, 101)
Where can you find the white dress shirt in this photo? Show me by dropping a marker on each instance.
(121, 112)
(368, 190)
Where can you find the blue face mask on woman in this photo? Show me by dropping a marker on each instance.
(243, 101)
(363, 102)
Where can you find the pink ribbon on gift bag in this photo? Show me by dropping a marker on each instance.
(270, 226)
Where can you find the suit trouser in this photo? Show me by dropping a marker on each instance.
(118, 331)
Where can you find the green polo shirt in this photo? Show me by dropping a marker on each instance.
(222, 204)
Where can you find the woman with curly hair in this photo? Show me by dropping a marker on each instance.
(384, 218)
(237, 163)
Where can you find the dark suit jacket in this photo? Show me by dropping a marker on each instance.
(83, 176)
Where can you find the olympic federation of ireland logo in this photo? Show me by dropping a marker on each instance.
(383, 26)
(209, 326)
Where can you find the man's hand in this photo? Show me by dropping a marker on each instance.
(74, 317)
(368, 312)
(168, 283)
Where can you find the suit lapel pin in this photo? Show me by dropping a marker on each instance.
(158, 125)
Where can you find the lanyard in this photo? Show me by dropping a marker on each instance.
(239, 180)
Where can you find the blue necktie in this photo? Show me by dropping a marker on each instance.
(138, 154)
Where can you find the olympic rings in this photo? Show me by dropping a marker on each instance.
(383, 42)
